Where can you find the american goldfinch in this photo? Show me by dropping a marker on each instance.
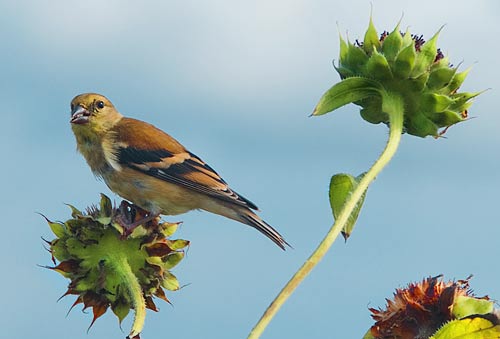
(151, 169)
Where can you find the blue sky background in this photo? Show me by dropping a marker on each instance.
(234, 81)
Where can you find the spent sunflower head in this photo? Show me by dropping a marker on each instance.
(107, 270)
(432, 307)
(404, 65)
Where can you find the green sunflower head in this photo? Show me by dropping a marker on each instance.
(405, 65)
(105, 268)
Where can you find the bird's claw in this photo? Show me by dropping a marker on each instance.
(131, 216)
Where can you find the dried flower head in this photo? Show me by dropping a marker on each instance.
(419, 310)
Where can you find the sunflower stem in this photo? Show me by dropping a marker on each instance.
(393, 106)
(122, 267)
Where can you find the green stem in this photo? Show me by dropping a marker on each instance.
(123, 269)
(393, 106)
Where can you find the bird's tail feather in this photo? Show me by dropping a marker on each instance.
(252, 219)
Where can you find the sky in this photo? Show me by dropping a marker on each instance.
(235, 81)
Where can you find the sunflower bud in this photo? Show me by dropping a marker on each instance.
(107, 270)
(435, 309)
(404, 65)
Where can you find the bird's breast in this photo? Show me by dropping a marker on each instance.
(94, 153)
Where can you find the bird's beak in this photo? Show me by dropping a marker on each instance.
(79, 115)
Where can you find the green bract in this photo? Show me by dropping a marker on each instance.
(402, 65)
(108, 270)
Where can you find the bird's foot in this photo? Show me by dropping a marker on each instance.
(131, 216)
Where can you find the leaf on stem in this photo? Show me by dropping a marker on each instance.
(345, 92)
(341, 187)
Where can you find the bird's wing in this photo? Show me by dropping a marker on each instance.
(145, 148)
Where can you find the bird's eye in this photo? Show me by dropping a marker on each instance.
(72, 107)
(100, 104)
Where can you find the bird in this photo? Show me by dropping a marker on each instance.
(151, 169)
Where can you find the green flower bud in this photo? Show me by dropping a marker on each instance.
(407, 66)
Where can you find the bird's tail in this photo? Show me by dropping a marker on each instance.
(248, 217)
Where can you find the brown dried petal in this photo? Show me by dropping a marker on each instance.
(77, 301)
(98, 310)
(67, 266)
(150, 304)
(160, 293)
(158, 249)
(98, 303)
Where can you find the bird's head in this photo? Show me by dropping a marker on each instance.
(93, 113)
